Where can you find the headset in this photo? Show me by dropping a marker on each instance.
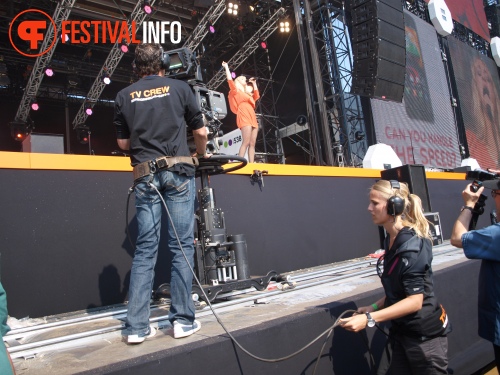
(395, 204)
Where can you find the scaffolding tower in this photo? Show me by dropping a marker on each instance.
(341, 133)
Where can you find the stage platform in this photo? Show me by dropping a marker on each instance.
(66, 259)
(269, 324)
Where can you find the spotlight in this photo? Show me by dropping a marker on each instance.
(301, 120)
(146, 7)
(49, 72)
(64, 38)
(232, 9)
(124, 48)
(284, 27)
(20, 130)
(34, 105)
(82, 134)
(106, 79)
(88, 109)
(211, 29)
(263, 44)
(233, 75)
(359, 135)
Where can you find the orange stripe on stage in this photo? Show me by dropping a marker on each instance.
(21, 160)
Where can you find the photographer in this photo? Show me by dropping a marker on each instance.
(150, 119)
(483, 244)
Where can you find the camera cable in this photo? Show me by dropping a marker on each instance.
(326, 332)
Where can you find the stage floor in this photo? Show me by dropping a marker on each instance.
(270, 324)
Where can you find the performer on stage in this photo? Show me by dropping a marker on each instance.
(417, 336)
(150, 119)
(242, 98)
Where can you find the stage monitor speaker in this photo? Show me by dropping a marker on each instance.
(379, 49)
(414, 176)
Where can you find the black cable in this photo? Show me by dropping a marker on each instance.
(272, 360)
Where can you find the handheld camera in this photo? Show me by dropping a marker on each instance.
(477, 177)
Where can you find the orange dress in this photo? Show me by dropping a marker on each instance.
(243, 106)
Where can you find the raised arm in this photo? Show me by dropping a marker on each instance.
(228, 73)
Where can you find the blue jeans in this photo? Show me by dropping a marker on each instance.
(178, 191)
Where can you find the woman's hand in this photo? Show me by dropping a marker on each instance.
(364, 310)
(224, 65)
(355, 323)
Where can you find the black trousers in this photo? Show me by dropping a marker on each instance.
(408, 355)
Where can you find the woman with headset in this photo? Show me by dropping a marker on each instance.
(417, 337)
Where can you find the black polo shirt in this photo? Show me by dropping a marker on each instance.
(153, 113)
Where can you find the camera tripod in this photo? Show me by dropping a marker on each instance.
(221, 262)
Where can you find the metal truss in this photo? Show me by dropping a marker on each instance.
(267, 28)
(418, 8)
(115, 55)
(213, 14)
(61, 13)
(345, 119)
(470, 38)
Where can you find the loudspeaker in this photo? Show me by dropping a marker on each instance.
(414, 176)
(379, 49)
(395, 204)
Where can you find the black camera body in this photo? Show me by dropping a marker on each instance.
(478, 176)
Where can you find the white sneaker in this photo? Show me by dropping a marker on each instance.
(137, 339)
(184, 330)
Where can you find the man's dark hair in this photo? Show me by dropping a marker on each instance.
(147, 59)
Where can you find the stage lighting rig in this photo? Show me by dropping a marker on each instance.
(232, 8)
(49, 72)
(20, 130)
(106, 78)
(34, 105)
(146, 7)
(88, 109)
(83, 134)
(284, 26)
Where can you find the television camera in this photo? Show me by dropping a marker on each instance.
(221, 263)
(477, 177)
(182, 64)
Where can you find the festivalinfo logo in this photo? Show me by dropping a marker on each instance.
(32, 25)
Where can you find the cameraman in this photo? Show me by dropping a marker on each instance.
(150, 120)
(483, 244)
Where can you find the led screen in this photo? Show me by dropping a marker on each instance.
(478, 88)
(470, 13)
(421, 129)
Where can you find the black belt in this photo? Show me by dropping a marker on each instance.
(164, 162)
